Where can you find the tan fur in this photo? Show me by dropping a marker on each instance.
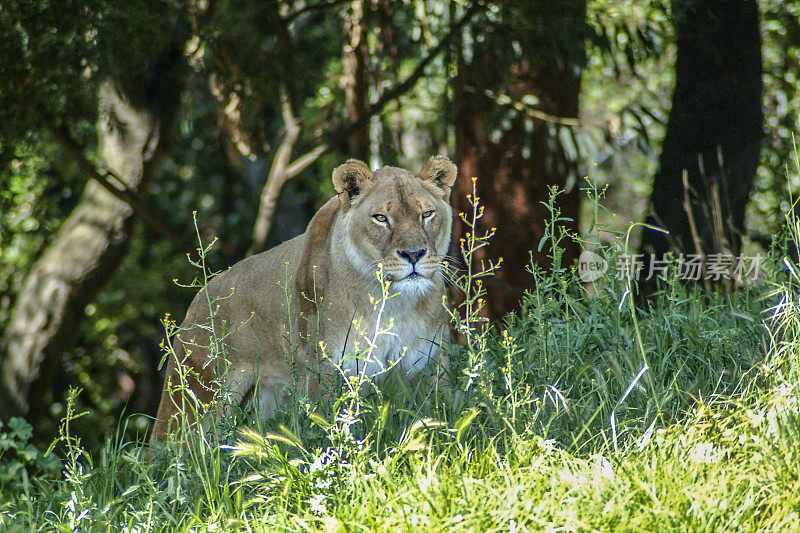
(327, 272)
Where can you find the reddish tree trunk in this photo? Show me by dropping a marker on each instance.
(517, 156)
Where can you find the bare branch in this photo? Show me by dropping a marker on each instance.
(503, 100)
(281, 170)
(300, 164)
(277, 175)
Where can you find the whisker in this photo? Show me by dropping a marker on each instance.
(445, 277)
(454, 262)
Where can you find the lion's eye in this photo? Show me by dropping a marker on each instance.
(381, 219)
(427, 215)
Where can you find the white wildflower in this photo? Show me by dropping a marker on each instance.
(756, 418)
(704, 452)
(602, 467)
(642, 443)
(317, 504)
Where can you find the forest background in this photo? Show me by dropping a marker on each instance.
(120, 121)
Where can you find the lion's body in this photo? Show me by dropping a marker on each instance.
(275, 307)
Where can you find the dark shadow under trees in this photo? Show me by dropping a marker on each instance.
(714, 131)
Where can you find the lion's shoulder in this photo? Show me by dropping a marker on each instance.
(312, 275)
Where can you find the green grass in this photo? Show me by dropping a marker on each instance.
(580, 414)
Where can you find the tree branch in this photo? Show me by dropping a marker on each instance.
(277, 175)
(282, 170)
(302, 162)
(312, 7)
(398, 90)
(506, 101)
(119, 189)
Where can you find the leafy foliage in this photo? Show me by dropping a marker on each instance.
(52, 44)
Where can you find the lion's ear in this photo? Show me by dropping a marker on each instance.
(350, 178)
(442, 172)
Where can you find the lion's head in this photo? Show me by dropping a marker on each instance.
(397, 218)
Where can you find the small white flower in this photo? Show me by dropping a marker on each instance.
(704, 452)
(642, 443)
(603, 467)
(756, 418)
(317, 504)
(572, 478)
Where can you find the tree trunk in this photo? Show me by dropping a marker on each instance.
(516, 154)
(83, 255)
(713, 133)
(356, 51)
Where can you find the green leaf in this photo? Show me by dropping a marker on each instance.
(21, 428)
(464, 422)
(319, 420)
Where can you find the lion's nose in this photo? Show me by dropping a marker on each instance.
(412, 257)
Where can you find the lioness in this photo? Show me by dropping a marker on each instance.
(394, 218)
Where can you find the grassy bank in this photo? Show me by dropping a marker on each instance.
(582, 413)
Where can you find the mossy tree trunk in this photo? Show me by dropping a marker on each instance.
(84, 254)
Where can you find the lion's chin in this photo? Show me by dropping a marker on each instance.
(413, 285)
